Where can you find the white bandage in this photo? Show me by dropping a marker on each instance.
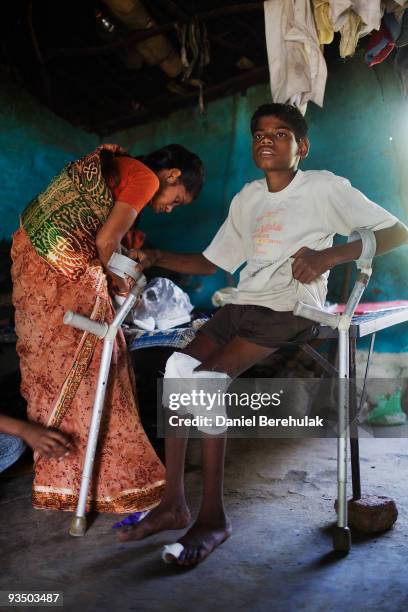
(200, 394)
(171, 552)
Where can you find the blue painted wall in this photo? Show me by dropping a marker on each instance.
(34, 146)
(350, 136)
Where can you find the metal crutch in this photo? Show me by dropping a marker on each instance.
(119, 264)
(341, 536)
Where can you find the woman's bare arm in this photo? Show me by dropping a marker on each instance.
(108, 238)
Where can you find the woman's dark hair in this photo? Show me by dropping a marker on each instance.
(109, 168)
(171, 156)
(288, 113)
(176, 156)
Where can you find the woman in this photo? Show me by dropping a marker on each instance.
(60, 252)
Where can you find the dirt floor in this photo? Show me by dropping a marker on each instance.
(279, 494)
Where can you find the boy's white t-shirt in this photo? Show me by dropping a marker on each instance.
(266, 229)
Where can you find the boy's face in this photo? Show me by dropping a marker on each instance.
(274, 146)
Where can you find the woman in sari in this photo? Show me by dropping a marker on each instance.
(60, 254)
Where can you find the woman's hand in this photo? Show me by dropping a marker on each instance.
(309, 264)
(47, 442)
(146, 257)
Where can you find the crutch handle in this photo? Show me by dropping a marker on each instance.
(369, 247)
(315, 314)
(120, 265)
(81, 322)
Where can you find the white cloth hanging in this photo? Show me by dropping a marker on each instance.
(369, 11)
(354, 19)
(297, 67)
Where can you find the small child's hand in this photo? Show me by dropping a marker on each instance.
(309, 264)
(47, 442)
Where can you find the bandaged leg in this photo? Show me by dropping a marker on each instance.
(200, 394)
(203, 398)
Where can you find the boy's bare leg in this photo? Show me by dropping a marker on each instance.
(172, 512)
(212, 526)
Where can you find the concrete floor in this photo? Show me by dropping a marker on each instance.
(279, 494)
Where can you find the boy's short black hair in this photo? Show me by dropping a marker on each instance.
(290, 115)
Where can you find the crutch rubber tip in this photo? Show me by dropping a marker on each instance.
(342, 539)
(78, 526)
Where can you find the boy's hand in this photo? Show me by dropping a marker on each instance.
(309, 264)
(47, 442)
(146, 258)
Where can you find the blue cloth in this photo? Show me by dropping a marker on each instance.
(379, 46)
(11, 449)
(177, 337)
(131, 519)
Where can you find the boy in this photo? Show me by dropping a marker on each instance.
(282, 226)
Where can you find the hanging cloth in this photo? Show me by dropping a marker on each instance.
(350, 33)
(297, 67)
(370, 12)
(379, 47)
(321, 11)
(397, 24)
(354, 19)
(195, 54)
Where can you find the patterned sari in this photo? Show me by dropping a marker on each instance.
(55, 270)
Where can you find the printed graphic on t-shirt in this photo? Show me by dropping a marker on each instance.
(266, 231)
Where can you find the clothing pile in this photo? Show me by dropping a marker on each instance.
(163, 305)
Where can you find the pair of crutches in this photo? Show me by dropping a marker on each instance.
(120, 265)
(341, 535)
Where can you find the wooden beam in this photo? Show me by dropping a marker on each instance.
(140, 35)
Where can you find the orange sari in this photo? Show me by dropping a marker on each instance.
(59, 368)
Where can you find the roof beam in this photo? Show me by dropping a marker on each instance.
(140, 35)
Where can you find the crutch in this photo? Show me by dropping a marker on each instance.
(341, 536)
(118, 264)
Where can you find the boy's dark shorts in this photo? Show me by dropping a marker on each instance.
(256, 324)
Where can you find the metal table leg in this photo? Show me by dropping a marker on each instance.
(354, 442)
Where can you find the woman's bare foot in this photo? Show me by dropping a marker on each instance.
(202, 538)
(159, 519)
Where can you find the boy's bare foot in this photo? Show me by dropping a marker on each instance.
(159, 519)
(201, 539)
